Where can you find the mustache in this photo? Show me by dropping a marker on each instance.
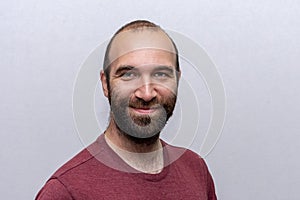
(140, 103)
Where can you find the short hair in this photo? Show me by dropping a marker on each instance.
(134, 25)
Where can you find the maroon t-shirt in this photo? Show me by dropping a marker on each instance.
(94, 174)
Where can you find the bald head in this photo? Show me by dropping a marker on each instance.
(138, 35)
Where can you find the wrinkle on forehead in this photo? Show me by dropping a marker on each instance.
(132, 40)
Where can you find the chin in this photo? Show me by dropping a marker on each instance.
(142, 140)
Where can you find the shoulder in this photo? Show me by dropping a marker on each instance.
(190, 164)
(194, 159)
(183, 155)
(198, 165)
(53, 189)
(186, 161)
(57, 186)
(81, 159)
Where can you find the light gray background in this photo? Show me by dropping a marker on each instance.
(255, 45)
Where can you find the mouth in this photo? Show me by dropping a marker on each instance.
(144, 110)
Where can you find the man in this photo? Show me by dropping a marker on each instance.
(140, 78)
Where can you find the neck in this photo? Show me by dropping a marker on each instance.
(130, 143)
(146, 157)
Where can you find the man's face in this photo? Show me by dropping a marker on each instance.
(143, 90)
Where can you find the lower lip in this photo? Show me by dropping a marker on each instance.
(144, 111)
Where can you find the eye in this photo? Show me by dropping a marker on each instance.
(162, 75)
(129, 75)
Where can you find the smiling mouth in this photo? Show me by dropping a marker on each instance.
(144, 110)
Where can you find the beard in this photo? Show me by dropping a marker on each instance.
(141, 128)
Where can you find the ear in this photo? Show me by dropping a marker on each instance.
(178, 75)
(104, 83)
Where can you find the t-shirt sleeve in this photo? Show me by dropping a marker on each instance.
(211, 193)
(211, 188)
(54, 189)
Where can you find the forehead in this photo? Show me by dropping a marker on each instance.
(142, 46)
(145, 58)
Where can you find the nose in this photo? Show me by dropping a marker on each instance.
(147, 92)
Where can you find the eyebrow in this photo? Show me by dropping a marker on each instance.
(164, 68)
(124, 68)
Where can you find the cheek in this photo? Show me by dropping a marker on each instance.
(123, 87)
(121, 93)
(128, 89)
(167, 90)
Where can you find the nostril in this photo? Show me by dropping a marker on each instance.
(146, 92)
(142, 103)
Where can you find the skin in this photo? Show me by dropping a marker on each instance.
(142, 71)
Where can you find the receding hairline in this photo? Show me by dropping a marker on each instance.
(139, 39)
(138, 26)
